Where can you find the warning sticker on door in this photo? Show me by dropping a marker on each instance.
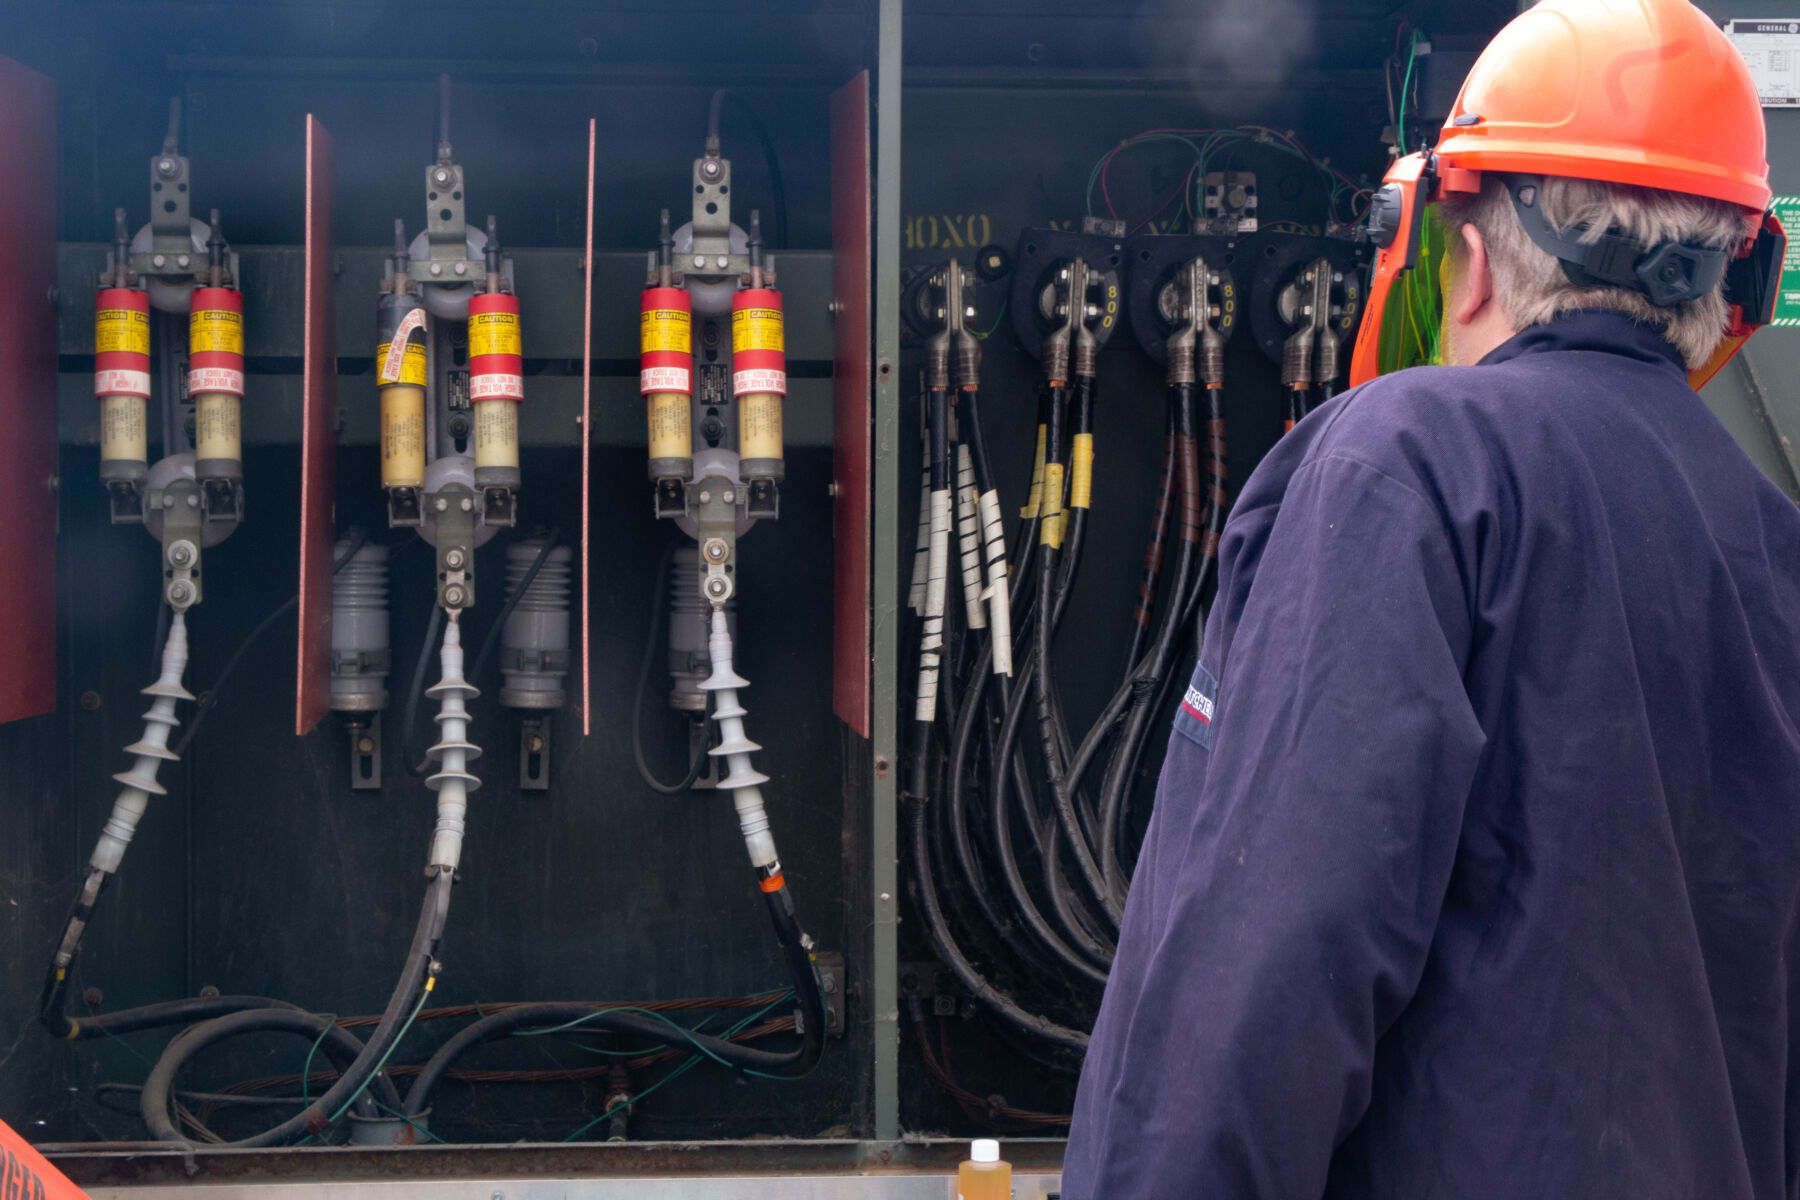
(1787, 300)
(1771, 50)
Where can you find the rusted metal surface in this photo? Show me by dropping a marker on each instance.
(587, 425)
(797, 1158)
(852, 394)
(318, 436)
(28, 391)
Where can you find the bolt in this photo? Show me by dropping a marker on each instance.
(453, 596)
(700, 262)
(729, 497)
(885, 897)
(462, 268)
(168, 500)
(181, 593)
(834, 489)
(365, 745)
(93, 997)
(157, 260)
(717, 588)
(437, 268)
(705, 496)
(209, 991)
(441, 177)
(182, 260)
(454, 559)
(723, 262)
(710, 168)
(193, 501)
(90, 701)
(716, 550)
(442, 505)
(466, 504)
(834, 308)
(181, 554)
(882, 766)
(535, 744)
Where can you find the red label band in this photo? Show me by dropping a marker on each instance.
(215, 379)
(744, 383)
(496, 386)
(122, 383)
(666, 379)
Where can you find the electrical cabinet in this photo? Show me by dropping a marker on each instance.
(651, 434)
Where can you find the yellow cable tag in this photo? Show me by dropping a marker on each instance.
(1051, 529)
(1081, 481)
(1037, 480)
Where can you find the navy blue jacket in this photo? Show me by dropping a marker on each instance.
(1475, 863)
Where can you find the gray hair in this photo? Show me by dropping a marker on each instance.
(1530, 283)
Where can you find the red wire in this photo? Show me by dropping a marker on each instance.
(1186, 183)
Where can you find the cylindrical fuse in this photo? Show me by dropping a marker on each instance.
(496, 387)
(400, 374)
(758, 380)
(665, 377)
(122, 382)
(216, 381)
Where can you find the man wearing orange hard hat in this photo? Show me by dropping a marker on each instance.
(1475, 863)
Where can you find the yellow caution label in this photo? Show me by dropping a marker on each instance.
(216, 331)
(122, 431)
(759, 426)
(757, 329)
(412, 366)
(218, 430)
(493, 333)
(666, 329)
(671, 431)
(403, 437)
(1081, 476)
(1050, 530)
(1037, 480)
(496, 433)
(121, 329)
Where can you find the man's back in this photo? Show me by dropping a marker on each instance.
(1482, 867)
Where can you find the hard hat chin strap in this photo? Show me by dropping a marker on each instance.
(1667, 274)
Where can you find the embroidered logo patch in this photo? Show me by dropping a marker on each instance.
(1194, 719)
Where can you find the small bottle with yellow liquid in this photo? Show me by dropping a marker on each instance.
(984, 1176)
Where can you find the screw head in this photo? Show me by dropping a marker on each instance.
(165, 166)
(90, 701)
(711, 167)
(441, 177)
(729, 496)
(181, 554)
(462, 268)
(437, 268)
(454, 559)
(716, 550)
(157, 260)
(705, 496)
(182, 260)
(723, 261)
(700, 261)
(365, 745)
(466, 504)
(442, 505)
(193, 501)
(181, 592)
(453, 596)
(535, 744)
(717, 587)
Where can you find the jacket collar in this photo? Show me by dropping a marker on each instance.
(1603, 330)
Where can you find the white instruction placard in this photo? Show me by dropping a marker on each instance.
(1771, 49)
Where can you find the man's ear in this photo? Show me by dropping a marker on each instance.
(1475, 278)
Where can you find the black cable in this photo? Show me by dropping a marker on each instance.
(783, 1064)
(318, 1116)
(778, 238)
(938, 431)
(338, 1046)
(951, 954)
(658, 605)
(551, 537)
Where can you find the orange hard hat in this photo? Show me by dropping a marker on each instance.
(1645, 92)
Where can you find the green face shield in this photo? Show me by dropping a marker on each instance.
(1412, 319)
